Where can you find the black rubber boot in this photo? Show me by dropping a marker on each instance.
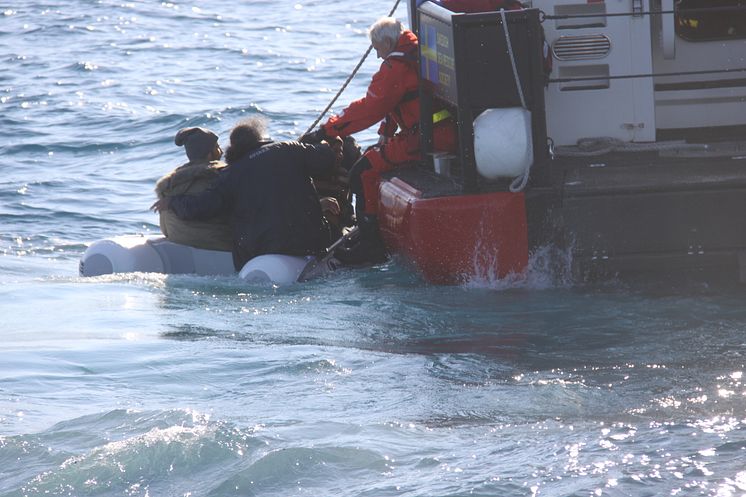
(368, 248)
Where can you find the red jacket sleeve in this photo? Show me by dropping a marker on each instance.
(386, 90)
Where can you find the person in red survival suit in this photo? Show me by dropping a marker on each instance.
(393, 98)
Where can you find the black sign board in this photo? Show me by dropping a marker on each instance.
(437, 61)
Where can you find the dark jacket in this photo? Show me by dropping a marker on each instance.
(270, 199)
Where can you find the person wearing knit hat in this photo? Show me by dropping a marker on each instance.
(200, 143)
(267, 192)
(197, 175)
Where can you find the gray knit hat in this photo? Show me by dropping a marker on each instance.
(198, 142)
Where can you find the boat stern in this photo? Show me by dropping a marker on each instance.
(454, 239)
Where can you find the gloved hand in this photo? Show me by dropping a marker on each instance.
(315, 137)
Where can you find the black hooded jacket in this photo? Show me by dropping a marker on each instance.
(270, 200)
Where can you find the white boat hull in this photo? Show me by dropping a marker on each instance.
(136, 253)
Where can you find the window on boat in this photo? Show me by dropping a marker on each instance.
(704, 20)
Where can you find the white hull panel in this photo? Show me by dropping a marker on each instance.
(136, 253)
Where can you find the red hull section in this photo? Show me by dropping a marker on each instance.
(454, 239)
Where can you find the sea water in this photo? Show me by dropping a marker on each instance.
(365, 383)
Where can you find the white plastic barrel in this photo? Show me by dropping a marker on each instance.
(503, 147)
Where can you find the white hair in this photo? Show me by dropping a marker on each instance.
(386, 28)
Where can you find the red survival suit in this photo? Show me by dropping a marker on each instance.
(393, 95)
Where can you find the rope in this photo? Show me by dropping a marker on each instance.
(520, 182)
(512, 58)
(597, 146)
(349, 78)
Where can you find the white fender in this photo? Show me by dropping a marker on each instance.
(274, 268)
(503, 147)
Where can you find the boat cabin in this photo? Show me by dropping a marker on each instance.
(626, 120)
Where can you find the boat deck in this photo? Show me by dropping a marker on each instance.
(646, 173)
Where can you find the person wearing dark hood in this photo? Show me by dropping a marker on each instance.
(334, 190)
(393, 96)
(268, 194)
(204, 153)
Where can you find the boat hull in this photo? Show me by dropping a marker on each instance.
(156, 254)
(623, 216)
(452, 239)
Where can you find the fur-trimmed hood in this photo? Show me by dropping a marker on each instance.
(180, 179)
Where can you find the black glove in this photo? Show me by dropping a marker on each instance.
(315, 137)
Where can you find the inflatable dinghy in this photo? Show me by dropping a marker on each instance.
(156, 254)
